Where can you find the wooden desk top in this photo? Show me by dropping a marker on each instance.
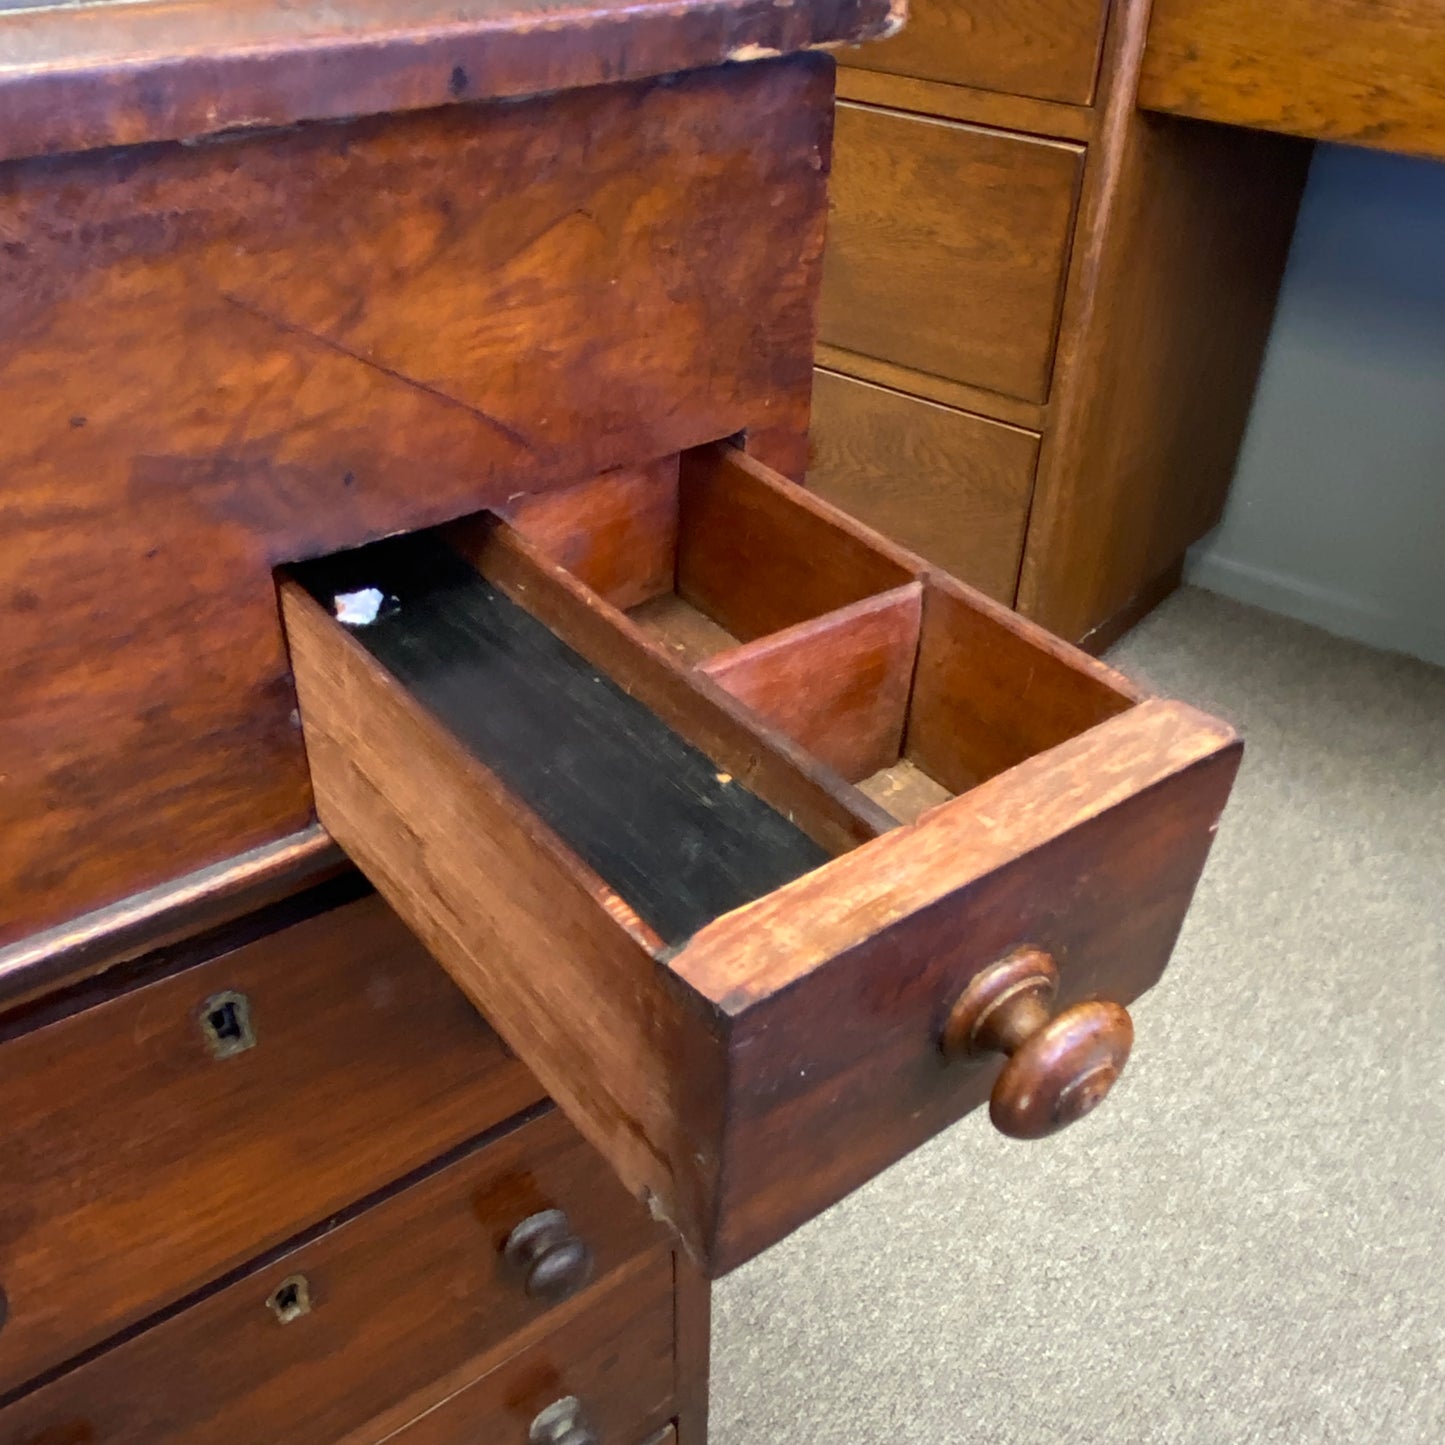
(1364, 72)
(98, 73)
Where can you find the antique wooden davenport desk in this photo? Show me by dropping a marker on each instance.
(398, 405)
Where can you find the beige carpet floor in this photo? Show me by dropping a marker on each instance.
(1247, 1242)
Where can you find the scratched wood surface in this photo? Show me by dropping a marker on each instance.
(221, 357)
(98, 73)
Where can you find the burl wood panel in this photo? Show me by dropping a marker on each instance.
(402, 1294)
(135, 1165)
(953, 487)
(1048, 49)
(1365, 72)
(82, 75)
(216, 358)
(948, 247)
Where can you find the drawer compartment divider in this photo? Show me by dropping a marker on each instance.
(739, 993)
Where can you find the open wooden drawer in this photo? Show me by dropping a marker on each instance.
(757, 872)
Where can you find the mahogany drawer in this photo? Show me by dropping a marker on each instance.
(155, 1140)
(1048, 49)
(952, 486)
(730, 869)
(905, 282)
(327, 1336)
(609, 1367)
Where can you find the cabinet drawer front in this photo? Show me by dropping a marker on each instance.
(724, 894)
(953, 487)
(947, 247)
(1047, 49)
(327, 1336)
(613, 1361)
(160, 1138)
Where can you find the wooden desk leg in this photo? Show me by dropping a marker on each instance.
(693, 1295)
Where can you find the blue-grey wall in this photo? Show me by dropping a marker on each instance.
(1337, 515)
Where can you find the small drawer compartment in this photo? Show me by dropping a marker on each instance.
(729, 903)
(221, 1109)
(398, 1301)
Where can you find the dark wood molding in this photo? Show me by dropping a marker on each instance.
(62, 956)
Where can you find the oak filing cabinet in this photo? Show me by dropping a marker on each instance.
(1043, 308)
(412, 631)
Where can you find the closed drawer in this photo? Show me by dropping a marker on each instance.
(735, 900)
(318, 1342)
(953, 487)
(1048, 49)
(947, 247)
(608, 1371)
(156, 1140)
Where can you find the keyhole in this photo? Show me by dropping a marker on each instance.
(291, 1299)
(226, 1023)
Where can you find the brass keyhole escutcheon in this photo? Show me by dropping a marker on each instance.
(291, 1299)
(226, 1024)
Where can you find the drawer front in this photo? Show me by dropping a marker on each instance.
(610, 1369)
(330, 1335)
(738, 912)
(160, 1138)
(953, 487)
(948, 246)
(1048, 49)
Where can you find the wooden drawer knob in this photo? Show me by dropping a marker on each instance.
(562, 1423)
(1058, 1069)
(554, 1262)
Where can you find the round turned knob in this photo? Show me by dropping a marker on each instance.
(554, 1262)
(562, 1423)
(1058, 1069)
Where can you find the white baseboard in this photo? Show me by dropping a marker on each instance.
(1335, 612)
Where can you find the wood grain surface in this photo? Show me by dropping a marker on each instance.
(1364, 72)
(615, 1356)
(988, 695)
(400, 1294)
(761, 758)
(136, 1165)
(906, 281)
(559, 965)
(1047, 49)
(78, 76)
(997, 109)
(692, 1068)
(839, 685)
(677, 838)
(1184, 230)
(837, 987)
(218, 358)
(757, 553)
(616, 533)
(953, 487)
